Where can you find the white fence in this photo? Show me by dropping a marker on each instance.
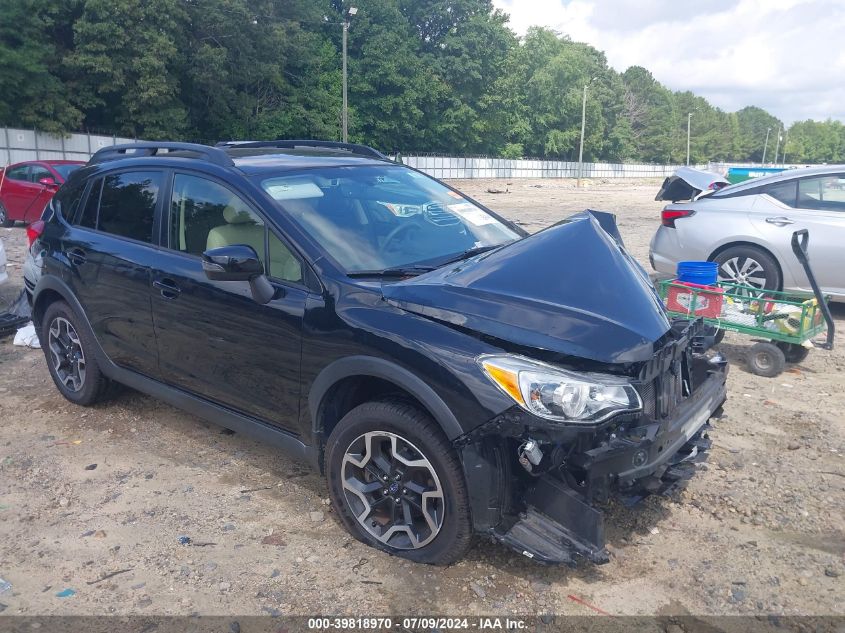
(20, 145)
(458, 167)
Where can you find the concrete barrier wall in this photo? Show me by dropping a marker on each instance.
(460, 167)
(20, 145)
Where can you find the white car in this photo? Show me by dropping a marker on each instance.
(747, 228)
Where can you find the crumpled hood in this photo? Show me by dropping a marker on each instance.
(569, 289)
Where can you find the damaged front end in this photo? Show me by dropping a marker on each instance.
(552, 476)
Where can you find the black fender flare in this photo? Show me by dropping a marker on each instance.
(385, 370)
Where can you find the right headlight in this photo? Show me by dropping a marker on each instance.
(557, 394)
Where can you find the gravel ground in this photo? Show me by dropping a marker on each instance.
(89, 492)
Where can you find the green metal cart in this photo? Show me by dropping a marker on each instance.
(787, 321)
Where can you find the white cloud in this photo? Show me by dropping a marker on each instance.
(783, 55)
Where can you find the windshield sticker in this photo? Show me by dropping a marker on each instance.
(472, 214)
(292, 190)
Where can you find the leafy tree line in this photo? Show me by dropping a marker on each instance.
(424, 75)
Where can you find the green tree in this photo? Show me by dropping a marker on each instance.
(32, 91)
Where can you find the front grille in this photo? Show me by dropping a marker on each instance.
(666, 381)
(437, 214)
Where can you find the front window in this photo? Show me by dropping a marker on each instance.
(384, 216)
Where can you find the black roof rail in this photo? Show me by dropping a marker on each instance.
(150, 148)
(354, 148)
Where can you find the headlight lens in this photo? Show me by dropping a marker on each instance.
(557, 394)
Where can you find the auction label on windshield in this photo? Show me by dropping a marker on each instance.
(421, 623)
(471, 213)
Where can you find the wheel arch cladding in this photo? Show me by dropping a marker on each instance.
(348, 382)
(721, 249)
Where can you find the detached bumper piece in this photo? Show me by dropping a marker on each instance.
(558, 526)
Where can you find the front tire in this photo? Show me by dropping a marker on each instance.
(4, 218)
(69, 351)
(397, 484)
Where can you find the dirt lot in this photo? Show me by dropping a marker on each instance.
(761, 530)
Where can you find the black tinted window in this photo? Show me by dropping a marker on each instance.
(89, 213)
(783, 191)
(66, 201)
(127, 204)
(18, 173)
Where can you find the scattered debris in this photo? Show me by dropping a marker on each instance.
(27, 337)
(66, 593)
(274, 539)
(587, 604)
(184, 540)
(491, 190)
(100, 534)
(831, 572)
(140, 585)
(243, 492)
(3, 607)
(91, 467)
(317, 517)
(109, 575)
(5, 586)
(478, 589)
(372, 582)
(654, 530)
(793, 446)
(88, 533)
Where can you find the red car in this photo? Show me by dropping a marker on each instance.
(26, 188)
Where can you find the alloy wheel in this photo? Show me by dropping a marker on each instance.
(743, 270)
(393, 490)
(67, 355)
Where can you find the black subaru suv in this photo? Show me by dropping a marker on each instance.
(448, 373)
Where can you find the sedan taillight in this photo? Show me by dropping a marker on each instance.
(668, 216)
(34, 231)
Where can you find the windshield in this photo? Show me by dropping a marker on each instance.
(66, 169)
(372, 218)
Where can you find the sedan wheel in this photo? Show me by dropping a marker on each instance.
(748, 266)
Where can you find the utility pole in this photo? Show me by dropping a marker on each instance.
(766, 144)
(777, 145)
(345, 116)
(583, 124)
(785, 139)
(689, 120)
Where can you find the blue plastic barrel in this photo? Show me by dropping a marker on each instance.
(701, 273)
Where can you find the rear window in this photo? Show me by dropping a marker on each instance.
(123, 204)
(66, 170)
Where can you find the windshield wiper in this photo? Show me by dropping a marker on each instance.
(398, 271)
(470, 252)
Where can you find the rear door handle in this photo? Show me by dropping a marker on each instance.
(76, 256)
(167, 287)
(780, 221)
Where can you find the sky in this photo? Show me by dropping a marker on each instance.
(786, 56)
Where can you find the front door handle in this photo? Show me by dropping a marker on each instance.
(167, 287)
(76, 256)
(780, 221)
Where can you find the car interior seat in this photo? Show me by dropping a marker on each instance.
(242, 228)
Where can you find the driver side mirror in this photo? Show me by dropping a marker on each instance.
(238, 262)
(48, 181)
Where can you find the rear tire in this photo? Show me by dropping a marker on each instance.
(4, 218)
(765, 359)
(749, 266)
(420, 511)
(69, 351)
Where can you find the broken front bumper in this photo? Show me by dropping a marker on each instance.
(560, 522)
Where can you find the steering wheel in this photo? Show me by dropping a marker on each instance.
(395, 233)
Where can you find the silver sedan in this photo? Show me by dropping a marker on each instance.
(747, 228)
